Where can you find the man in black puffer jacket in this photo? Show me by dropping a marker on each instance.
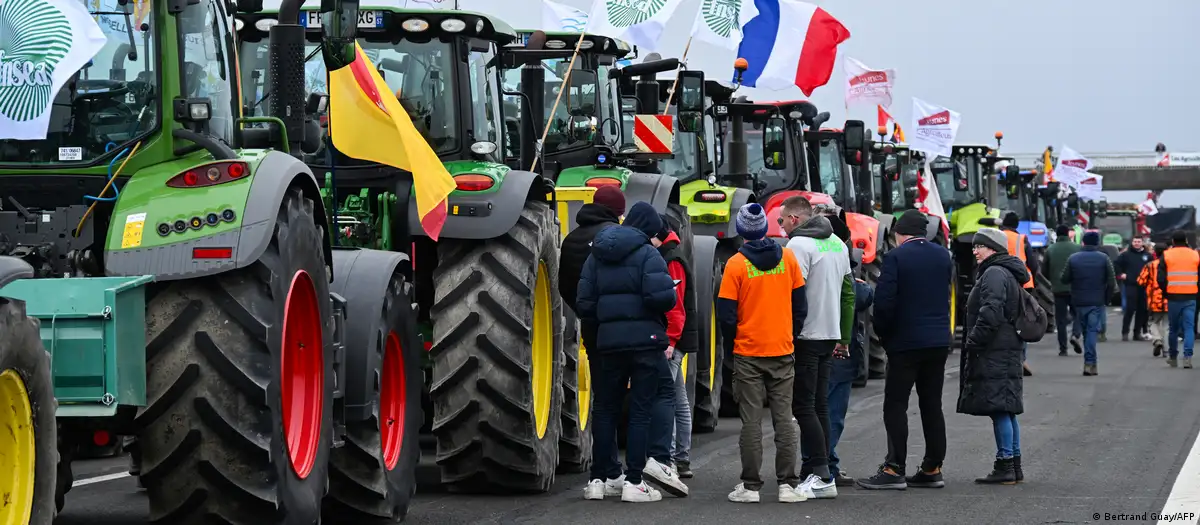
(625, 289)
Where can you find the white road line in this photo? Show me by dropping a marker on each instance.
(1185, 494)
(99, 479)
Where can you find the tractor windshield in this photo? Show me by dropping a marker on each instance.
(105, 106)
(904, 182)
(956, 193)
(421, 73)
(1119, 224)
(830, 168)
(772, 180)
(684, 163)
(574, 122)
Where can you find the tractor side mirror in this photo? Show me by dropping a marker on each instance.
(1012, 181)
(691, 91)
(774, 143)
(855, 136)
(961, 177)
(1102, 207)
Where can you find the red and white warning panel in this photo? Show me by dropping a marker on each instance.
(654, 133)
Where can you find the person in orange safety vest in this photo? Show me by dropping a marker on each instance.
(1178, 274)
(1156, 301)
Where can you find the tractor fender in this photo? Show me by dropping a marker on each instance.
(885, 230)
(933, 225)
(361, 276)
(864, 231)
(741, 197)
(655, 189)
(487, 215)
(276, 173)
(12, 268)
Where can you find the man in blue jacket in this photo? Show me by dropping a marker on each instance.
(1090, 274)
(912, 318)
(625, 290)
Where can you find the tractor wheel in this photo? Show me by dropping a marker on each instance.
(575, 442)
(1043, 291)
(876, 356)
(498, 357)
(29, 449)
(66, 478)
(374, 476)
(706, 397)
(240, 377)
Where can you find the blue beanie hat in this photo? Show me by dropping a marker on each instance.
(1091, 238)
(752, 222)
(643, 217)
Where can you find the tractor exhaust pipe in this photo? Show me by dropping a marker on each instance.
(533, 85)
(286, 88)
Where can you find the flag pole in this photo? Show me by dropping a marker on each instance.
(566, 85)
(675, 84)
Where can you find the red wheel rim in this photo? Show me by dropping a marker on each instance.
(302, 374)
(392, 398)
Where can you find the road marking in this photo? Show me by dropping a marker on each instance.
(1185, 493)
(99, 479)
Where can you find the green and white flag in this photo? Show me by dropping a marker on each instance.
(720, 22)
(42, 43)
(639, 22)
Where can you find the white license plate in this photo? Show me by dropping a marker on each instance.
(366, 19)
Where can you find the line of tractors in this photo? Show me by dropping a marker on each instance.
(266, 319)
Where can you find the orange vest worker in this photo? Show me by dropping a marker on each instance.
(1016, 246)
(1182, 265)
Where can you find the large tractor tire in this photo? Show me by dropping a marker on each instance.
(575, 442)
(1043, 291)
(374, 476)
(498, 357)
(29, 459)
(876, 356)
(706, 397)
(240, 377)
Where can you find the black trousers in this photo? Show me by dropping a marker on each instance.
(1135, 310)
(925, 368)
(810, 401)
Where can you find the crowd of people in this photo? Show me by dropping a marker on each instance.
(793, 314)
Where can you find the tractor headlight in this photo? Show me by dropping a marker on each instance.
(479, 25)
(453, 25)
(415, 25)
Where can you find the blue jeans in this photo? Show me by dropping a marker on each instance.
(1008, 435)
(662, 418)
(1121, 285)
(681, 446)
(642, 371)
(1091, 318)
(1182, 316)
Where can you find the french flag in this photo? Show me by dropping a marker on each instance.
(790, 43)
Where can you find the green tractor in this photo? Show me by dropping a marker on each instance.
(590, 143)
(508, 397)
(190, 290)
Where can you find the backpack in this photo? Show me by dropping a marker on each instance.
(1032, 320)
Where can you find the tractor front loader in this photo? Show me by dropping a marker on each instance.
(195, 299)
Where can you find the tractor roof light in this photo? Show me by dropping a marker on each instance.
(555, 44)
(265, 24)
(415, 25)
(606, 43)
(238, 24)
(473, 182)
(587, 44)
(453, 25)
(479, 25)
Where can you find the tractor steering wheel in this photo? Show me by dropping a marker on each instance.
(100, 89)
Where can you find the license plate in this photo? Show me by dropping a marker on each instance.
(366, 19)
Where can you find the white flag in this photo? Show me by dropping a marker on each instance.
(868, 86)
(47, 42)
(1072, 168)
(933, 128)
(1090, 187)
(561, 17)
(720, 22)
(639, 22)
(930, 198)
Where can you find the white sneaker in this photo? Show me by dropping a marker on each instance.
(741, 494)
(787, 494)
(595, 489)
(640, 493)
(665, 478)
(815, 488)
(613, 487)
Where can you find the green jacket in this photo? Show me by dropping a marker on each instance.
(1056, 260)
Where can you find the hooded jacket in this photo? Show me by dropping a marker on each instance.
(829, 285)
(761, 305)
(625, 290)
(990, 381)
(577, 245)
(681, 320)
(1090, 275)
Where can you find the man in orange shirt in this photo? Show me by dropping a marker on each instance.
(762, 306)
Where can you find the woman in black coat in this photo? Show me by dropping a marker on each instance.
(991, 372)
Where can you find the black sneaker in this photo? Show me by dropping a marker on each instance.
(1125, 337)
(885, 479)
(1077, 344)
(927, 480)
(843, 480)
(1062, 352)
(684, 469)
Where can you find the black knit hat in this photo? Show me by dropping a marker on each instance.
(912, 223)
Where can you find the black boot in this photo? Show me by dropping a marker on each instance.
(1017, 473)
(1002, 474)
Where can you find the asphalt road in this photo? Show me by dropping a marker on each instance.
(1112, 444)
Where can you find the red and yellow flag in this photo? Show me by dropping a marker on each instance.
(883, 117)
(366, 122)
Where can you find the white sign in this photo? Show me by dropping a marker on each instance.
(868, 86)
(1180, 159)
(639, 22)
(1072, 167)
(720, 22)
(933, 128)
(70, 153)
(1090, 187)
(1148, 207)
(49, 41)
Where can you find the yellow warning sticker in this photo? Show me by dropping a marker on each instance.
(131, 237)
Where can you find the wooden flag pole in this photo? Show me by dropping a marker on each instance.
(566, 85)
(675, 84)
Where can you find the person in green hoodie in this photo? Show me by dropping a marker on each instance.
(1056, 260)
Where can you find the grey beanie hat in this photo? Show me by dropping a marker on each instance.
(751, 222)
(992, 238)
